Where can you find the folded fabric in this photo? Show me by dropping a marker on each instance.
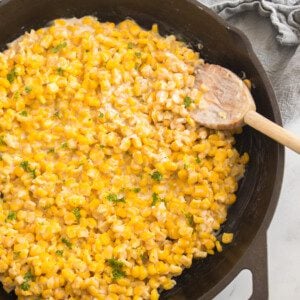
(284, 15)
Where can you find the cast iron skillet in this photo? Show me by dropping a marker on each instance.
(259, 190)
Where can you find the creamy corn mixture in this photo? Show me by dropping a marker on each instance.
(108, 188)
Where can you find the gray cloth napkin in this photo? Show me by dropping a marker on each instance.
(284, 15)
(270, 38)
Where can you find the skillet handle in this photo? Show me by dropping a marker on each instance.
(257, 262)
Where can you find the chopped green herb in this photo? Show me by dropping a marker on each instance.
(2, 142)
(144, 257)
(28, 89)
(190, 219)
(59, 252)
(136, 66)
(130, 45)
(60, 71)
(198, 160)
(50, 150)
(67, 242)
(29, 276)
(117, 268)
(136, 190)
(155, 199)
(33, 173)
(11, 216)
(57, 114)
(101, 115)
(187, 101)
(138, 54)
(11, 75)
(47, 206)
(25, 286)
(101, 146)
(24, 113)
(64, 145)
(76, 212)
(186, 166)
(16, 254)
(26, 168)
(59, 47)
(114, 198)
(156, 176)
(16, 95)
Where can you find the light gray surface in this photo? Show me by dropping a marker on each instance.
(284, 14)
(282, 64)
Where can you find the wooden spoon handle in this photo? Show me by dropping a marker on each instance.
(272, 130)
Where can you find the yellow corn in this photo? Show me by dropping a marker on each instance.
(227, 238)
(98, 146)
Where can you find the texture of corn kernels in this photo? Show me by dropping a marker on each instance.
(108, 188)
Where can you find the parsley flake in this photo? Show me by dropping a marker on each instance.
(114, 198)
(76, 212)
(26, 168)
(11, 216)
(187, 101)
(17, 95)
(155, 199)
(136, 190)
(64, 145)
(29, 276)
(144, 257)
(136, 66)
(2, 142)
(67, 242)
(28, 89)
(11, 75)
(60, 71)
(25, 286)
(50, 150)
(59, 47)
(57, 114)
(138, 54)
(24, 113)
(190, 219)
(117, 268)
(59, 252)
(198, 160)
(101, 115)
(130, 45)
(156, 176)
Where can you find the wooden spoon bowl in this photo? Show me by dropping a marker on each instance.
(227, 104)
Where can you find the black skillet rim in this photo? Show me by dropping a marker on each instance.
(280, 149)
(262, 231)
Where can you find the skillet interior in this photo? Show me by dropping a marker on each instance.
(259, 190)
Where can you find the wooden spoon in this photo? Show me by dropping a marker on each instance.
(227, 104)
